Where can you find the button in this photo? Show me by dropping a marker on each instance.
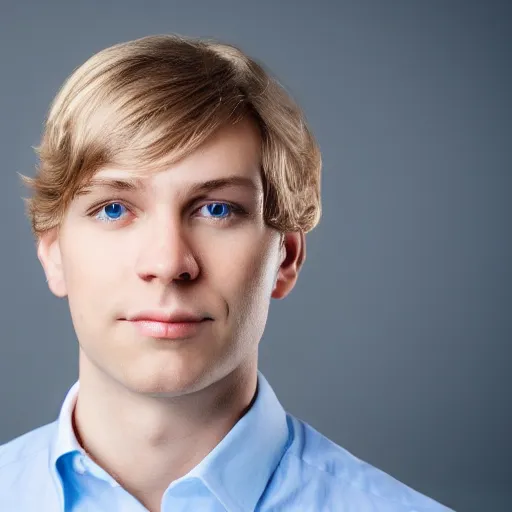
(79, 465)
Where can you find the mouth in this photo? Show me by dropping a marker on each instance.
(168, 325)
(169, 330)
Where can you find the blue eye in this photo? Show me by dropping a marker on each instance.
(111, 211)
(216, 210)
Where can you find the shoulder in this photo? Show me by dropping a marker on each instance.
(25, 478)
(25, 447)
(337, 476)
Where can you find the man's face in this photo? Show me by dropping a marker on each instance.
(121, 253)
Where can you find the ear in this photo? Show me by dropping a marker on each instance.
(293, 255)
(49, 254)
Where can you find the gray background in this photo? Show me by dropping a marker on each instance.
(395, 342)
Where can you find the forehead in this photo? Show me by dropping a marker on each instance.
(232, 156)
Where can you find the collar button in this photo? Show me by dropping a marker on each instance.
(79, 464)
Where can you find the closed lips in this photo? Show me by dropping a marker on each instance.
(172, 317)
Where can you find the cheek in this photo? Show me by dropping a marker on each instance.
(245, 271)
(92, 272)
(90, 265)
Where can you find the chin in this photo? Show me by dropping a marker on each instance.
(167, 383)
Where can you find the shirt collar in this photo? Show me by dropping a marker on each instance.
(65, 440)
(237, 470)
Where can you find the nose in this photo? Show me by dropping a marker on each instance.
(165, 254)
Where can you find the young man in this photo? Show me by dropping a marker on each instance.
(176, 183)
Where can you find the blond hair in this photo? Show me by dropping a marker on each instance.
(142, 102)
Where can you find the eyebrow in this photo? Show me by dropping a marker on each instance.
(134, 184)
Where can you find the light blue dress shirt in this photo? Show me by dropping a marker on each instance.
(269, 461)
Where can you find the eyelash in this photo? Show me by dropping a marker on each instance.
(234, 210)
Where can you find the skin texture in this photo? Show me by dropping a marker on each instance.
(150, 409)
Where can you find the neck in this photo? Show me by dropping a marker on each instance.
(146, 442)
